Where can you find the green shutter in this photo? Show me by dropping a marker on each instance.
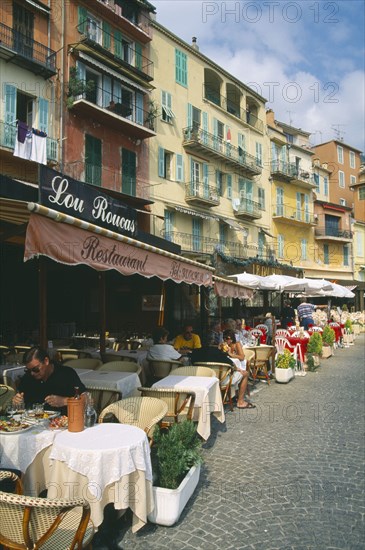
(181, 69)
(229, 186)
(82, 17)
(179, 168)
(106, 35)
(139, 57)
(161, 162)
(10, 115)
(118, 47)
(92, 160)
(128, 172)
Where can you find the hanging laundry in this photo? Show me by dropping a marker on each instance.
(39, 147)
(22, 131)
(23, 149)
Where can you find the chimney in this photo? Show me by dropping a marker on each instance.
(194, 44)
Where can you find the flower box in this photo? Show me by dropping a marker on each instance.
(169, 503)
(283, 376)
(326, 352)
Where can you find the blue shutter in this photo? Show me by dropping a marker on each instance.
(169, 222)
(161, 162)
(139, 108)
(190, 117)
(118, 47)
(205, 180)
(306, 208)
(106, 35)
(205, 127)
(196, 235)
(299, 207)
(280, 201)
(326, 255)
(229, 186)
(179, 168)
(43, 115)
(178, 66)
(10, 115)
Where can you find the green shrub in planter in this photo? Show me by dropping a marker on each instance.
(348, 325)
(285, 360)
(328, 336)
(177, 451)
(315, 344)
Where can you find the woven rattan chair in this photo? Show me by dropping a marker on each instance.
(193, 371)
(224, 373)
(87, 363)
(33, 523)
(143, 412)
(7, 476)
(161, 369)
(102, 397)
(261, 363)
(68, 353)
(121, 366)
(108, 357)
(6, 395)
(180, 404)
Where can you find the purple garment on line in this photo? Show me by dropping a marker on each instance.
(22, 131)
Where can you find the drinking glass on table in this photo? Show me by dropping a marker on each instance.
(38, 410)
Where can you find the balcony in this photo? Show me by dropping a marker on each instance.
(197, 140)
(293, 216)
(201, 194)
(101, 106)
(302, 178)
(247, 208)
(8, 135)
(119, 54)
(282, 170)
(25, 52)
(333, 234)
(206, 245)
(210, 94)
(136, 25)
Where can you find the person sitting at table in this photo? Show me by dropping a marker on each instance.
(243, 334)
(235, 351)
(305, 313)
(268, 323)
(161, 350)
(47, 382)
(210, 353)
(187, 340)
(216, 333)
(288, 315)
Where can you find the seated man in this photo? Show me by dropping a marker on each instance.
(212, 354)
(161, 350)
(46, 382)
(187, 340)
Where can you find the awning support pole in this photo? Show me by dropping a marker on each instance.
(101, 277)
(42, 282)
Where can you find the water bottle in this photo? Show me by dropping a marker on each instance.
(90, 412)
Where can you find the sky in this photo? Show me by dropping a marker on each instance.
(306, 57)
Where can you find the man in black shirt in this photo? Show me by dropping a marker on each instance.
(45, 382)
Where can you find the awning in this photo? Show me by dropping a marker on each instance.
(75, 242)
(230, 289)
(267, 233)
(168, 112)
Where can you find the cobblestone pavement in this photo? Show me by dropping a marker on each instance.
(286, 475)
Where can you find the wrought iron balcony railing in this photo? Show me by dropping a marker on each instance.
(293, 214)
(32, 54)
(116, 48)
(202, 192)
(232, 107)
(333, 232)
(282, 168)
(249, 208)
(196, 136)
(8, 136)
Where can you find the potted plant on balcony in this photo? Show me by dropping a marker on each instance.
(314, 350)
(284, 367)
(176, 465)
(152, 114)
(77, 87)
(328, 339)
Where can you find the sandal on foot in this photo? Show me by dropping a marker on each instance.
(248, 406)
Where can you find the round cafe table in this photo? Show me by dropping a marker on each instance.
(303, 342)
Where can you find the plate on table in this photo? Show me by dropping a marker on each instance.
(11, 426)
(47, 415)
(58, 423)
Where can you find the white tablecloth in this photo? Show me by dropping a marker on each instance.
(106, 463)
(208, 397)
(125, 382)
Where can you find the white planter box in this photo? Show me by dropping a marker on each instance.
(356, 329)
(169, 503)
(283, 376)
(326, 352)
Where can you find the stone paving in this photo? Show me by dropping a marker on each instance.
(286, 475)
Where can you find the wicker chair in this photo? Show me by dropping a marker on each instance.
(33, 523)
(68, 353)
(108, 357)
(180, 404)
(6, 395)
(7, 476)
(193, 371)
(87, 363)
(102, 397)
(160, 369)
(121, 366)
(224, 373)
(143, 412)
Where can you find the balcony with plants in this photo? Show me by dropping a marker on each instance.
(333, 234)
(302, 178)
(247, 208)
(200, 141)
(201, 193)
(112, 48)
(282, 170)
(25, 52)
(291, 215)
(124, 114)
(8, 133)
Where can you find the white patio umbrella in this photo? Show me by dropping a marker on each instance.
(308, 286)
(248, 279)
(280, 283)
(338, 291)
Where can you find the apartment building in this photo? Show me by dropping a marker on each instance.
(209, 170)
(359, 228)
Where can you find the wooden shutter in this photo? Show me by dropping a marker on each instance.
(106, 35)
(161, 162)
(128, 172)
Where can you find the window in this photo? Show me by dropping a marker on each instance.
(326, 254)
(352, 159)
(352, 180)
(340, 154)
(345, 255)
(325, 186)
(258, 154)
(23, 29)
(343, 202)
(341, 179)
(129, 168)
(165, 159)
(316, 181)
(261, 198)
(280, 246)
(167, 114)
(362, 193)
(303, 249)
(289, 138)
(229, 186)
(179, 168)
(169, 225)
(359, 244)
(181, 68)
(279, 201)
(92, 160)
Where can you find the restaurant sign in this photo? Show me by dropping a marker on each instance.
(86, 203)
